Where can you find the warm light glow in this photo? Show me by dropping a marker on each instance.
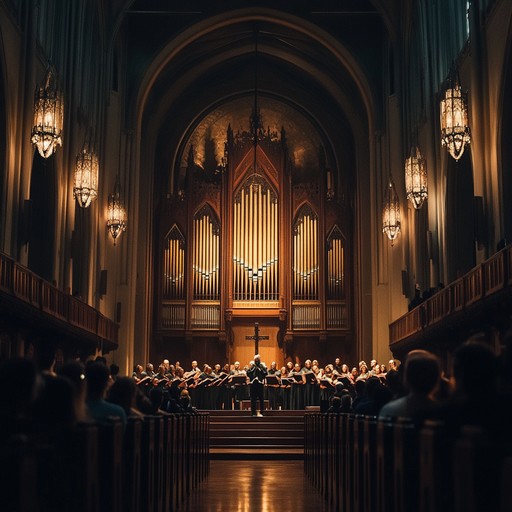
(416, 178)
(391, 213)
(455, 132)
(48, 116)
(116, 213)
(85, 188)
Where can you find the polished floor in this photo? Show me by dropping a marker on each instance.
(256, 486)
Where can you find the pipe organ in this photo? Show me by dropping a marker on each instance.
(255, 241)
(265, 242)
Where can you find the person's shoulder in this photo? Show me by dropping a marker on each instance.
(394, 408)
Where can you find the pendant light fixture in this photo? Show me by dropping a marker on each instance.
(46, 133)
(455, 132)
(391, 213)
(416, 178)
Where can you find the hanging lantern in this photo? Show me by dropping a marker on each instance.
(48, 116)
(455, 133)
(85, 188)
(391, 213)
(416, 178)
(116, 213)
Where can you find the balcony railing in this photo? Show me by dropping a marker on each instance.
(482, 283)
(20, 284)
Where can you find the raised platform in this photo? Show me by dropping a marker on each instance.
(236, 435)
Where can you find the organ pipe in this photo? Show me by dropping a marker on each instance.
(305, 255)
(174, 265)
(206, 255)
(255, 241)
(335, 265)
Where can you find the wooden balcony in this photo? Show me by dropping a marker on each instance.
(482, 297)
(28, 301)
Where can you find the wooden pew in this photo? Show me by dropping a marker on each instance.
(405, 445)
(147, 466)
(385, 467)
(435, 482)
(111, 467)
(132, 465)
(370, 463)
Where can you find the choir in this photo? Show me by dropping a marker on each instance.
(291, 387)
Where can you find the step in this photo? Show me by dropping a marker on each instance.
(257, 425)
(262, 453)
(213, 413)
(251, 432)
(251, 441)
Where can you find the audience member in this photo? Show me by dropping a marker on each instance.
(98, 408)
(421, 377)
(17, 391)
(123, 392)
(74, 371)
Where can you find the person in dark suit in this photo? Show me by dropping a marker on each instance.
(257, 372)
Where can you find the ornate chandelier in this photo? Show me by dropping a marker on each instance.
(391, 213)
(48, 116)
(416, 178)
(116, 213)
(455, 133)
(85, 188)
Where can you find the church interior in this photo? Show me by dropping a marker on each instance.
(209, 180)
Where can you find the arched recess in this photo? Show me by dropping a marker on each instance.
(43, 197)
(506, 151)
(460, 228)
(3, 152)
(353, 103)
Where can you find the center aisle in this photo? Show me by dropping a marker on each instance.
(255, 486)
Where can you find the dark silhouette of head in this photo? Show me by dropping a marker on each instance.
(469, 358)
(97, 375)
(421, 371)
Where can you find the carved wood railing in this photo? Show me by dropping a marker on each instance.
(20, 284)
(480, 284)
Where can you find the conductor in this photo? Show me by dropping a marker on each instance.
(257, 372)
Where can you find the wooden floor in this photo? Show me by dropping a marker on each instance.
(255, 486)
